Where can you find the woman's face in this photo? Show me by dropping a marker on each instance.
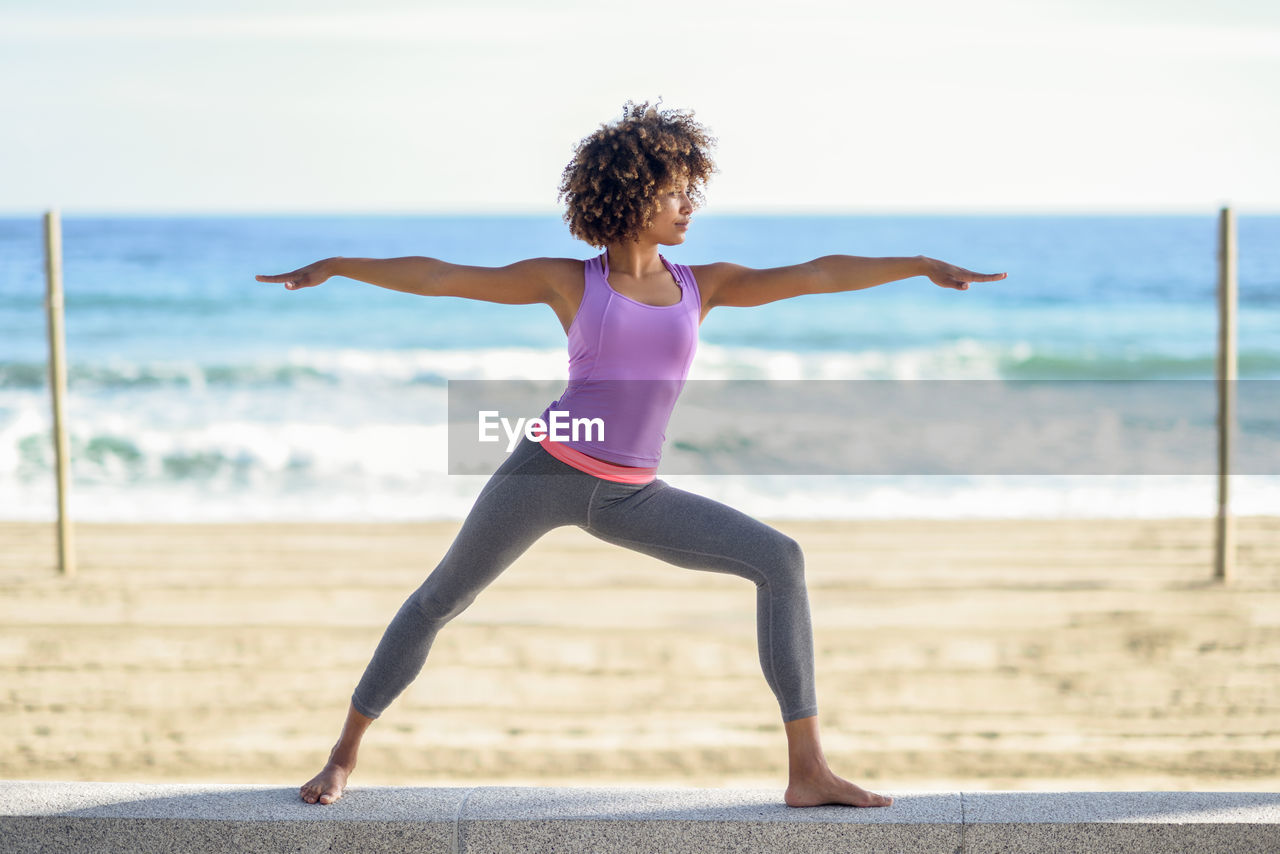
(671, 219)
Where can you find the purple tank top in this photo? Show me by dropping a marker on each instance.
(627, 365)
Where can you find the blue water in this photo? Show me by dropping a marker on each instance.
(198, 393)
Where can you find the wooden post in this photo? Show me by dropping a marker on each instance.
(58, 383)
(1225, 552)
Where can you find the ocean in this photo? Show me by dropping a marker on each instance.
(198, 394)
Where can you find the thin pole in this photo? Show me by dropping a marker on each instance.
(1225, 554)
(58, 383)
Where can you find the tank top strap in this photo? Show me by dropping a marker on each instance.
(594, 282)
(688, 285)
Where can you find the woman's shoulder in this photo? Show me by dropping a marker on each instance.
(553, 264)
(559, 273)
(709, 276)
(564, 282)
(713, 270)
(554, 267)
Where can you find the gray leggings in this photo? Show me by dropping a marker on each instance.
(533, 492)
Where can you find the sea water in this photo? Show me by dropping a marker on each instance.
(199, 394)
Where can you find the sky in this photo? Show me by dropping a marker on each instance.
(276, 106)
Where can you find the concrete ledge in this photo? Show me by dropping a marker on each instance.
(123, 817)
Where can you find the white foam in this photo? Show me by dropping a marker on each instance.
(962, 359)
(374, 446)
(403, 366)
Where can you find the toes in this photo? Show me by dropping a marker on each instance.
(324, 789)
(867, 798)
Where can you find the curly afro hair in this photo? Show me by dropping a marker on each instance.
(612, 184)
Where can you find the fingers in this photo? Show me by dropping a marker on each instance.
(292, 281)
(961, 279)
(970, 276)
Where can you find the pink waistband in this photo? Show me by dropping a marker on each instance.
(599, 468)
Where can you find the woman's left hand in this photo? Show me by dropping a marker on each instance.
(950, 276)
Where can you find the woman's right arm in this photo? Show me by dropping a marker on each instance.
(522, 283)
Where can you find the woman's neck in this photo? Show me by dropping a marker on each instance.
(634, 259)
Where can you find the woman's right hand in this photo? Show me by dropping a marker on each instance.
(304, 277)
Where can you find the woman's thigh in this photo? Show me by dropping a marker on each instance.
(693, 531)
(697, 532)
(528, 495)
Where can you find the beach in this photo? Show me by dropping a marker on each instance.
(956, 654)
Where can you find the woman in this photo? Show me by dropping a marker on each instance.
(631, 318)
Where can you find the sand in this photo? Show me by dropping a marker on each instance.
(1040, 654)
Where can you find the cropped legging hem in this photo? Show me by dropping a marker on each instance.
(532, 493)
(788, 717)
(362, 708)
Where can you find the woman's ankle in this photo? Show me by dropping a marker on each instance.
(343, 756)
(807, 765)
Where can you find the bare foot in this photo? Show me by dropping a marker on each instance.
(327, 786)
(824, 787)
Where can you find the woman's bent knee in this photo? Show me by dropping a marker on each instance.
(436, 607)
(790, 559)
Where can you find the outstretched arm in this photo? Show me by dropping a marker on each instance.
(524, 282)
(735, 285)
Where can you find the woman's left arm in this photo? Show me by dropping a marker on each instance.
(735, 285)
